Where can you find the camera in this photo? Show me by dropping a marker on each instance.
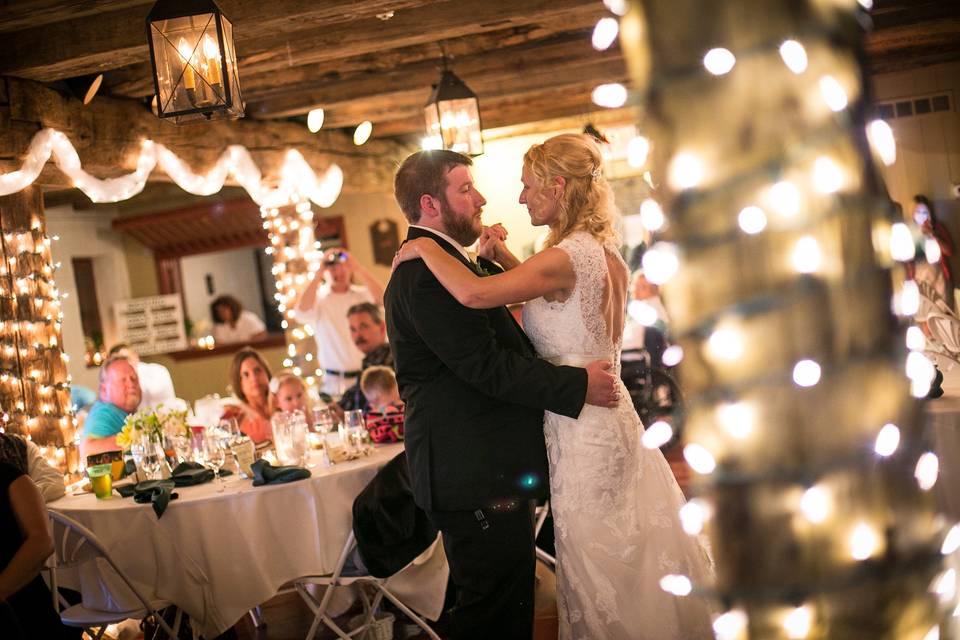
(334, 258)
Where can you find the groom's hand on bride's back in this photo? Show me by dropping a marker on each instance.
(602, 387)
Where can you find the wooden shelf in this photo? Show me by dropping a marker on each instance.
(272, 340)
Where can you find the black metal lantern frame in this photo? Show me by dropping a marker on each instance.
(452, 116)
(194, 61)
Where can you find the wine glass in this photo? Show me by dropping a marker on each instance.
(230, 430)
(215, 455)
(181, 447)
(323, 421)
(150, 458)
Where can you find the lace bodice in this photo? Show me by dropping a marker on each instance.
(575, 326)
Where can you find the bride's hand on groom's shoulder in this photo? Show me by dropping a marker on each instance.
(410, 250)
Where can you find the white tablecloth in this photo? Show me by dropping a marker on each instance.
(217, 555)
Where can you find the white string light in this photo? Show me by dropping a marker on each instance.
(719, 61)
(794, 56)
(656, 435)
(235, 161)
(609, 95)
(605, 33)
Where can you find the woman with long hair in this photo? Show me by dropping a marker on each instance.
(615, 503)
(250, 379)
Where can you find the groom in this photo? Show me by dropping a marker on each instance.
(475, 393)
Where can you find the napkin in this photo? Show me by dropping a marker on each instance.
(159, 493)
(188, 474)
(266, 473)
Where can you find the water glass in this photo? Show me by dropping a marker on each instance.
(290, 436)
(354, 429)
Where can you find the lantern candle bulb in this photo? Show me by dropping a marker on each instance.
(189, 81)
(212, 53)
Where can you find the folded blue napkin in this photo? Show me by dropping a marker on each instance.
(266, 473)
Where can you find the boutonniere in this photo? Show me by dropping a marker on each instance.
(481, 271)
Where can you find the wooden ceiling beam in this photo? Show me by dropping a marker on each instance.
(493, 73)
(569, 102)
(37, 13)
(135, 81)
(108, 135)
(102, 38)
(292, 32)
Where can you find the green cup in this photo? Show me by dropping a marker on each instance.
(101, 480)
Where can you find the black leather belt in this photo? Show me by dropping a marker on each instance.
(345, 374)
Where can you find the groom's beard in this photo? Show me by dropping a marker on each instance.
(459, 228)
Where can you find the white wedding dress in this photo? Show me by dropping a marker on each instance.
(615, 503)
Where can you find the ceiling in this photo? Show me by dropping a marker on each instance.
(528, 60)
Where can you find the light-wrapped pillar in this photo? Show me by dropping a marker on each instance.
(813, 476)
(34, 383)
(296, 260)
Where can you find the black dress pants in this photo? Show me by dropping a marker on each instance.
(492, 565)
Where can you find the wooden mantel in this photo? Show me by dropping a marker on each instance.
(108, 134)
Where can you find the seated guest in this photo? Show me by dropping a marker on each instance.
(156, 385)
(647, 320)
(233, 324)
(26, 607)
(250, 379)
(369, 334)
(288, 393)
(25, 456)
(385, 418)
(119, 396)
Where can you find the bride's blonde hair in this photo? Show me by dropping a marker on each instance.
(586, 203)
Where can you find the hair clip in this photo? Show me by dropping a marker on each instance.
(596, 173)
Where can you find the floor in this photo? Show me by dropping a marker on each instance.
(287, 617)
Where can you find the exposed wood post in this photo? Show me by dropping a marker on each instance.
(34, 384)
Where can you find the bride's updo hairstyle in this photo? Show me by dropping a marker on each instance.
(586, 203)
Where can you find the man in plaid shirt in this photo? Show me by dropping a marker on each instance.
(369, 333)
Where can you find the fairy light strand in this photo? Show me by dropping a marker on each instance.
(297, 177)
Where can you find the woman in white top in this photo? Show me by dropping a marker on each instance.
(233, 324)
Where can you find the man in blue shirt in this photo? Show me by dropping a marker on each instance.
(119, 396)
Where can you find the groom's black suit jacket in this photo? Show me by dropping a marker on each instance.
(475, 393)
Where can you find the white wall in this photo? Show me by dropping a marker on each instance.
(928, 146)
(234, 273)
(87, 235)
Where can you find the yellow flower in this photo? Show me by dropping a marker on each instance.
(125, 437)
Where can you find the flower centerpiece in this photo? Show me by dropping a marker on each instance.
(152, 427)
(158, 423)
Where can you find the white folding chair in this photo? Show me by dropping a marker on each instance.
(75, 545)
(337, 579)
(541, 516)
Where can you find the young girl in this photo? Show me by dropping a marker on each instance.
(289, 393)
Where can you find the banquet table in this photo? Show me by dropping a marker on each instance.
(218, 555)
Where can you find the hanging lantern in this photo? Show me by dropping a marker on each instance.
(453, 116)
(194, 61)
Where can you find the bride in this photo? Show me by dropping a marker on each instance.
(615, 504)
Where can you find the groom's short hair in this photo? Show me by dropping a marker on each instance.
(424, 172)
